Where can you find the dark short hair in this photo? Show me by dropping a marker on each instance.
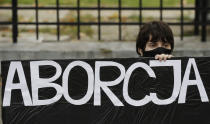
(158, 30)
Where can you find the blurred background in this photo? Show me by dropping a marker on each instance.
(96, 20)
(60, 29)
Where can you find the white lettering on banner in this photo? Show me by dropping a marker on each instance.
(22, 85)
(127, 98)
(38, 83)
(177, 80)
(187, 82)
(96, 85)
(89, 93)
(104, 84)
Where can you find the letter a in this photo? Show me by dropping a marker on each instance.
(22, 85)
(186, 82)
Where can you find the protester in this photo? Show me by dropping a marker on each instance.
(155, 39)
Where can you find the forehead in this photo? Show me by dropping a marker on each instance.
(157, 39)
(157, 42)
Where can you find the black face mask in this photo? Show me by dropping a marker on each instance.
(159, 50)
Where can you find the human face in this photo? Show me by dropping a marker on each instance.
(151, 45)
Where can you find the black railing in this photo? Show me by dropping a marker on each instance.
(201, 8)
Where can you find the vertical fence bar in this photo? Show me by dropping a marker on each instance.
(58, 20)
(120, 19)
(37, 19)
(140, 13)
(204, 19)
(182, 20)
(14, 21)
(99, 19)
(161, 10)
(78, 19)
(197, 17)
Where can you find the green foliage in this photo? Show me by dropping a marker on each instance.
(130, 3)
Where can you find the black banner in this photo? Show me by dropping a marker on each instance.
(106, 91)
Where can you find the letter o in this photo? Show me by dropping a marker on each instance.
(89, 92)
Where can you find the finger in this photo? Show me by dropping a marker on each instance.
(161, 57)
(157, 56)
(170, 56)
(165, 57)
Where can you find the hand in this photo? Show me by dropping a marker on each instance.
(163, 57)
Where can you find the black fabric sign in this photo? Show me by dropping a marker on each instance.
(106, 91)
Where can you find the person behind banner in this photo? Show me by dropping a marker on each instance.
(155, 39)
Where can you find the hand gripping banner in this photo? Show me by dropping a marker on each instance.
(106, 91)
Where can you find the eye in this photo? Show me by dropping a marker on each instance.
(166, 45)
(152, 44)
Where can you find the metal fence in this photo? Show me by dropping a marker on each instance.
(200, 8)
